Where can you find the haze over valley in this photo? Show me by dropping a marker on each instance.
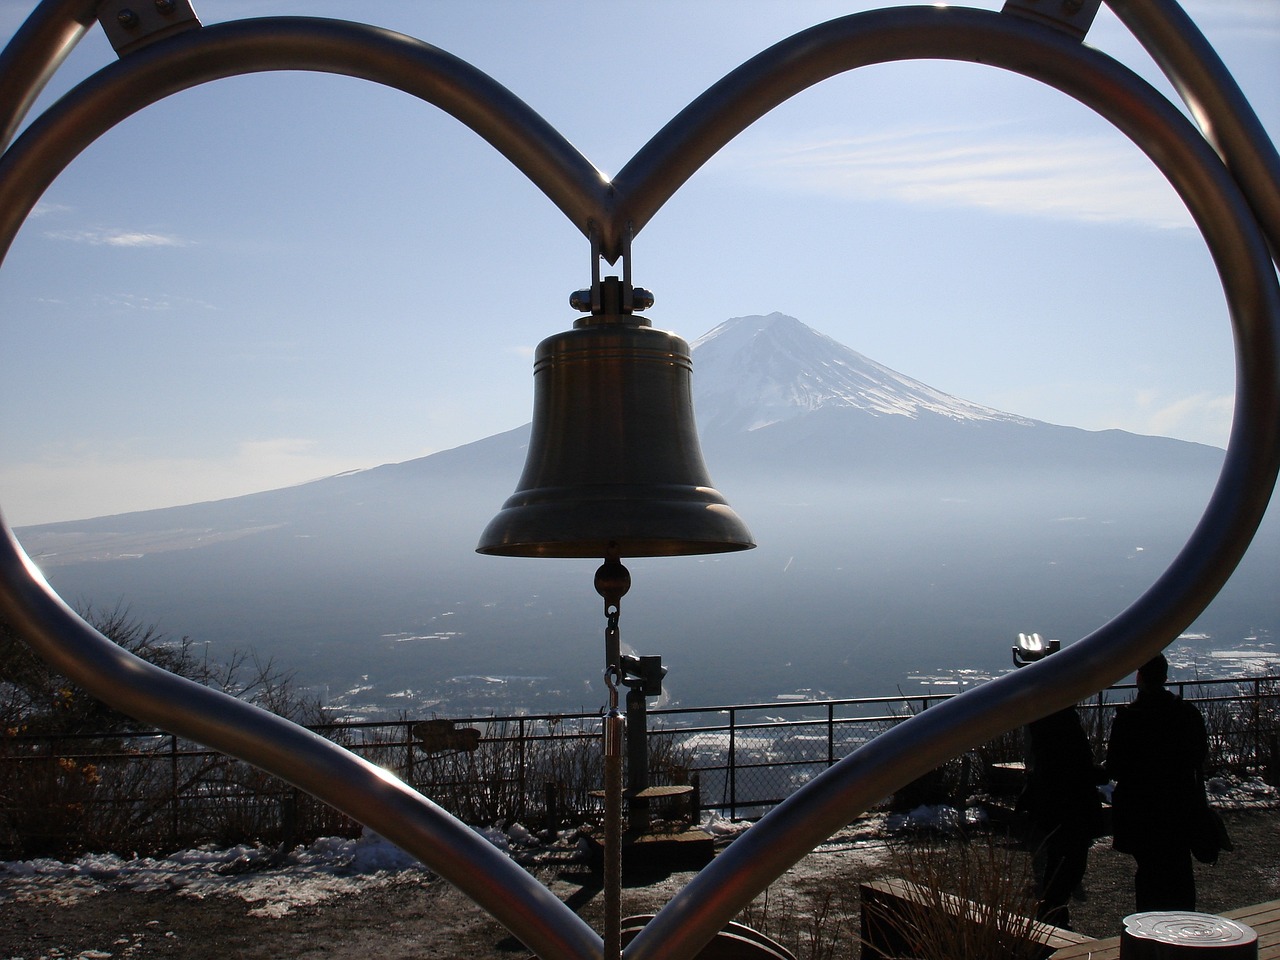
(904, 537)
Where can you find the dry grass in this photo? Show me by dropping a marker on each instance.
(971, 898)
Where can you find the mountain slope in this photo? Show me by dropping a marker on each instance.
(899, 530)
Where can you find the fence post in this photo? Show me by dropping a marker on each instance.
(407, 735)
(1100, 730)
(1257, 725)
(831, 734)
(522, 773)
(173, 789)
(733, 766)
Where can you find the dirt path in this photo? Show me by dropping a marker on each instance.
(423, 920)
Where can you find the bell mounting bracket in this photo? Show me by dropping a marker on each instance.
(610, 296)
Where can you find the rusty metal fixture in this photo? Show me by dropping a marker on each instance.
(441, 736)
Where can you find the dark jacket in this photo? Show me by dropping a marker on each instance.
(1062, 779)
(1156, 755)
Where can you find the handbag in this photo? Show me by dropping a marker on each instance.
(1209, 835)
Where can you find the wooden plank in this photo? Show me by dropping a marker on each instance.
(1108, 949)
(650, 793)
(882, 898)
(1259, 913)
(661, 793)
(1264, 918)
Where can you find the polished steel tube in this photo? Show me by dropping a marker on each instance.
(1214, 99)
(614, 731)
(1239, 500)
(1240, 497)
(364, 792)
(331, 46)
(34, 54)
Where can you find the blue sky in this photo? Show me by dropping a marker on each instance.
(279, 277)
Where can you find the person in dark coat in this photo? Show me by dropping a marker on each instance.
(1061, 800)
(1156, 755)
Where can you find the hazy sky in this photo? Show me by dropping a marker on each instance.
(274, 278)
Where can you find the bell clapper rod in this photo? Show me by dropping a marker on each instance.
(612, 583)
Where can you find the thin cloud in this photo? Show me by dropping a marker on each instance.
(149, 304)
(88, 483)
(1091, 179)
(44, 209)
(1203, 414)
(117, 238)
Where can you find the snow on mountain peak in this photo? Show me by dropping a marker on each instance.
(750, 372)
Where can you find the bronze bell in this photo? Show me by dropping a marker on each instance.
(614, 466)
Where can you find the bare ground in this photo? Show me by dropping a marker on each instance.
(425, 919)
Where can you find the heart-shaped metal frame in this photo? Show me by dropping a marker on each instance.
(1218, 195)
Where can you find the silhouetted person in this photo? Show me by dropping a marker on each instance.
(1155, 755)
(1061, 799)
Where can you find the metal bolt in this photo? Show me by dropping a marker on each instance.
(127, 19)
(641, 299)
(165, 6)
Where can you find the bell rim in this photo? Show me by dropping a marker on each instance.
(544, 522)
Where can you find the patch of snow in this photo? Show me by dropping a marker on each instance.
(275, 884)
(927, 818)
(1241, 794)
(721, 827)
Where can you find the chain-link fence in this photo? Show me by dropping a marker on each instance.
(153, 791)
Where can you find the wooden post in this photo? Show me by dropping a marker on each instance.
(1178, 935)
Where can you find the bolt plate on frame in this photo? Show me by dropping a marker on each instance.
(1073, 17)
(131, 24)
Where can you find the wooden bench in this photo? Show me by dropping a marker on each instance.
(686, 812)
(1264, 918)
(887, 903)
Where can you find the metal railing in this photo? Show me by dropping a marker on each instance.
(768, 750)
(538, 769)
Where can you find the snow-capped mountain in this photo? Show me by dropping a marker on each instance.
(750, 372)
(898, 530)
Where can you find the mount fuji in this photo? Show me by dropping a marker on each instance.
(904, 536)
(757, 371)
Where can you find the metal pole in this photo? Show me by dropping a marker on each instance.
(733, 768)
(612, 582)
(637, 759)
(831, 734)
(173, 788)
(614, 730)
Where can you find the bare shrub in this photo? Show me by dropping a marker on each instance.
(814, 924)
(76, 774)
(969, 898)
